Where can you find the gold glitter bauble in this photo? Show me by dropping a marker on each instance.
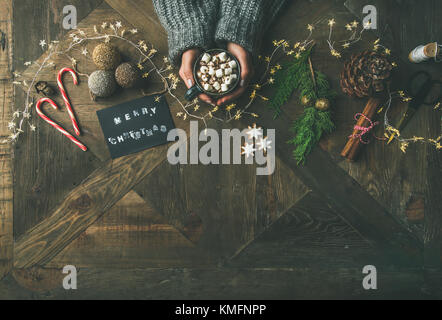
(322, 104)
(127, 75)
(106, 57)
(305, 100)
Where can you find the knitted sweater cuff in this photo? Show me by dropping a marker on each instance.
(241, 25)
(194, 35)
(244, 22)
(189, 24)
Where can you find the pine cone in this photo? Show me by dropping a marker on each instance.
(365, 74)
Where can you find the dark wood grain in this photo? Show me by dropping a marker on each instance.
(131, 235)
(233, 204)
(403, 26)
(353, 214)
(83, 206)
(6, 163)
(52, 166)
(309, 234)
(232, 284)
(351, 199)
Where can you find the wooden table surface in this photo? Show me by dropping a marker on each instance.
(138, 227)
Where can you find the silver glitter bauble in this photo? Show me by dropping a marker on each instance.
(102, 83)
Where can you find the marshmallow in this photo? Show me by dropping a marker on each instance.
(204, 69)
(224, 66)
(204, 78)
(217, 86)
(208, 87)
(219, 73)
(211, 64)
(223, 56)
(214, 59)
(233, 64)
(228, 80)
(233, 76)
(228, 71)
(224, 87)
(211, 71)
(206, 57)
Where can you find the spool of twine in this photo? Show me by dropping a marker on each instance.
(425, 53)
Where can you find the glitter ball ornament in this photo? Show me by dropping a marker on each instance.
(322, 104)
(102, 83)
(106, 57)
(305, 100)
(126, 75)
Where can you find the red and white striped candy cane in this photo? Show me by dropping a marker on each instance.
(56, 126)
(66, 98)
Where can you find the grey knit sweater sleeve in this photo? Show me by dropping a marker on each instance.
(189, 24)
(245, 21)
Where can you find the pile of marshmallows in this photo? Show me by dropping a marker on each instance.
(217, 73)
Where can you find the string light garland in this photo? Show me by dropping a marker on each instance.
(405, 142)
(192, 110)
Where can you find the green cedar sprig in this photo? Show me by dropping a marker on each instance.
(309, 128)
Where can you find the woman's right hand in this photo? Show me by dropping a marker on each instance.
(186, 72)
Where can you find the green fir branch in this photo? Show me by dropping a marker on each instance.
(313, 124)
(308, 130)
(292, 77)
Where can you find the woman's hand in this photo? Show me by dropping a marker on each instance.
(246, 72)
(186, 72)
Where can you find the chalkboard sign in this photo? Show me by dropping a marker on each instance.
(136, 125)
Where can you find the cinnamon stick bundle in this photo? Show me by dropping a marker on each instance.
(354, 145)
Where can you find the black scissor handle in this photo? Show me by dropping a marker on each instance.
(420, 85)
(420, 89)
(437, 99)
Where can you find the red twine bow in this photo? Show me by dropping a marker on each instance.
(364, 130)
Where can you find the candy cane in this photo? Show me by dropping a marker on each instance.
(66, 98)
(56, 126)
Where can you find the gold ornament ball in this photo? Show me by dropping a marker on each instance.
(305, 100)
(127, 75)
(322, 104)
(106, 57)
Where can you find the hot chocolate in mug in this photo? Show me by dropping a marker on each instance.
(216, 73)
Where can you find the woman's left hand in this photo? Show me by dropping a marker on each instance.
(247, 72)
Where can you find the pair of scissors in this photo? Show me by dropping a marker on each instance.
(420, 86)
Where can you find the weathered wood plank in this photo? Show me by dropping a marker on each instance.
(131, 235)
(141, 13)
(6, 32)
(321, 173)
(309, 234)
(403, 178)
(46, 164)
(104, 13)
(6, 165)
(232, 194)
(230, 284)
(83, 206)
(187, 193)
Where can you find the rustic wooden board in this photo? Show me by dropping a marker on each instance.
(309, 234)
(227, 284)
(83, 206)
(6, 165)
(96, 18)
(417, 175)
(139, 165)
(6, 28)
(223, 217)
(231, 203)
(131, 235)
(53, 166)
(352, 201)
